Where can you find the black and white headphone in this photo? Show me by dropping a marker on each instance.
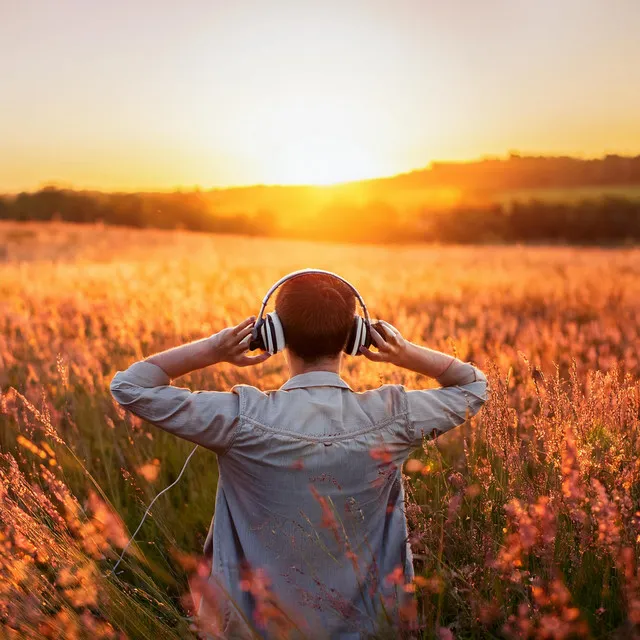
(268, 334)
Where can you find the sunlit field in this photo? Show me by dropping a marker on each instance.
(524, 522)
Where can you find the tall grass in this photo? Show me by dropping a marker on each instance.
(524, 522)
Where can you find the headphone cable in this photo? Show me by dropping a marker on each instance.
(146, 513)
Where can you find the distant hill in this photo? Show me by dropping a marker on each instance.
(426, 204)
(441, 185)
(524, 172)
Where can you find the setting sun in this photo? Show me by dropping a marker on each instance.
(321, 160)
(316, 145)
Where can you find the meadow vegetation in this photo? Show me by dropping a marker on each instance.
(525, 522)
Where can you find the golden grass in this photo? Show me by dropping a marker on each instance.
(524, 523)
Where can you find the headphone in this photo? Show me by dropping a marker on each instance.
(268, 334)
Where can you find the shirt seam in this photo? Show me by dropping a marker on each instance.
(330, 436)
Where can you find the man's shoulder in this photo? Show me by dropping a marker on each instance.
(384, 389)
(249, 391)
(391, 396)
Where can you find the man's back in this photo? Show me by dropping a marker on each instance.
(310, 497)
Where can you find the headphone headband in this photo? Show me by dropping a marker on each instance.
(303, 272)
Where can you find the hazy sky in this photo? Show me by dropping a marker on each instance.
(130, 94)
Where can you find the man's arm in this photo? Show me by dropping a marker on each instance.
(393, 348)
(228, 345)
(432, 411)
(208, 418)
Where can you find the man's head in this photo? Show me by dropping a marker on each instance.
(316, 312)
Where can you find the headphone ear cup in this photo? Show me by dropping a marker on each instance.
(265, 332)
(348, 348)
(275, 333)
(366, 335)
(359, 336)
(257, 341)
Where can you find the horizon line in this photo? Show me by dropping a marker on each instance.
(509, 155)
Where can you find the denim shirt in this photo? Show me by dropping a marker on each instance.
(310, 492)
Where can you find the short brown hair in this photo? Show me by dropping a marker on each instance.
(316, 311)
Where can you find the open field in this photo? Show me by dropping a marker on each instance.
(525, 522)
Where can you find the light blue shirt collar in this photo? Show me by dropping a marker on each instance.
(314, 379)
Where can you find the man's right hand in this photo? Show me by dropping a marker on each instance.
(393, 348)
(231, 345)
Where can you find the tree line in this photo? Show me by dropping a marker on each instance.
(153, 210)
(526, 172)
(593, 221)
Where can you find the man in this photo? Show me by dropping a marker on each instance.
(309, 529)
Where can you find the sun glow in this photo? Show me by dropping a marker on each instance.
(322, 160)
(313, 139)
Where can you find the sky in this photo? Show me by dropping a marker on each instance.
(152, 94)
